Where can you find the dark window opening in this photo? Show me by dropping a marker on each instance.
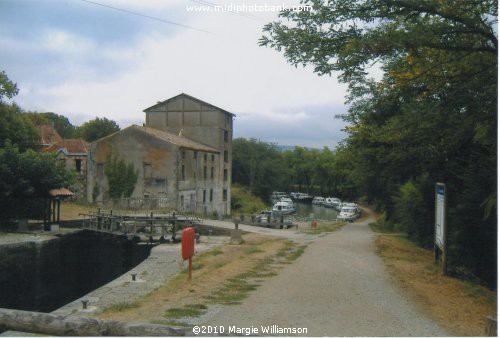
(226, 156)
(78, 165)
(225, 174)
(224, 195)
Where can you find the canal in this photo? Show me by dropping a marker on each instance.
(308, 211)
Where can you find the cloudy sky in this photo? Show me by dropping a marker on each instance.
(114, 58)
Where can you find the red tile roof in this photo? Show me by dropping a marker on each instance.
(69, 146)
(60, 192)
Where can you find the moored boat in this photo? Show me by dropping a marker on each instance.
(283, 208)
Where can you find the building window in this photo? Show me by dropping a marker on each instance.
(78, 165)
(100, 170)
(226, 156)
(182, 202)
(204, 196)
(205, 157)
(225, 174)
(224, 195)
(205, 172)
(147, 169)
(211, 195)
(195, 154)
(183, 154)
(213, 157)
(226, 136)
(160, 182)
(183, 172)
(212, 170)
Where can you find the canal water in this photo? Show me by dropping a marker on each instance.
(308, 212)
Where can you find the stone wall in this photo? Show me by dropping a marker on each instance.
(46, 274)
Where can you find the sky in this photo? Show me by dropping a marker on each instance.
(114, 58)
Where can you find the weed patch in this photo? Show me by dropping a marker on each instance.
(119, 307)
(190, 310)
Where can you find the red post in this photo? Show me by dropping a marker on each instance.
(190, 269)
(187, 246)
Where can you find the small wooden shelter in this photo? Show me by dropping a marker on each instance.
(53, 207)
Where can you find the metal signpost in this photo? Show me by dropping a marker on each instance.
(440, 226)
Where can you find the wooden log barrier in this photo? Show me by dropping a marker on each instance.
(57, 325)
(491, 326)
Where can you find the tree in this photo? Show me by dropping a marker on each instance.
(15, 127)
(260, 166)
(60, 122)
(121, 178)
(432, 115)
(97, 128)
(25, 180)
(7, 87)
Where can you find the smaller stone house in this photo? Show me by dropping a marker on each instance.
(174, 168)
(73, 152)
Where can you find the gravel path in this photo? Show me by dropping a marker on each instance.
(338, 287)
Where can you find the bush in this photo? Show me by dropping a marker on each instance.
(413, 210)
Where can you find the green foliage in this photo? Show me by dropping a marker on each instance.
(414, 210)
(243, 201)
(17, 128)
(431, 117)
(96, 129)
(7, 87)
(61, 123)
(264, 169)
(25, 179)
(260, 166)
(121, 178)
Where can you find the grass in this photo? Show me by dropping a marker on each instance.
(252, 250)
(459, 306)
(190, 310)
(119, 307)
(248, 202)
(225, 275)
(233, 292)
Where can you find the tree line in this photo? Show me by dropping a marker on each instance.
(431, 117)
(26, 174)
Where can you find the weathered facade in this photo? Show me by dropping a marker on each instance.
(205, 123)
(178, 171)
(73, 153)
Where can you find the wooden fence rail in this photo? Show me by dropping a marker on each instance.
(56, 325)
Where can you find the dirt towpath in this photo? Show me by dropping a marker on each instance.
(338, 287)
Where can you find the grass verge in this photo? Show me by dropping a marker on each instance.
(459, 306)
(224, 275)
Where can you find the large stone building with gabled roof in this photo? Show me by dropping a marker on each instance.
(182, 156)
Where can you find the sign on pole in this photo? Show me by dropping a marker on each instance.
(440, 224)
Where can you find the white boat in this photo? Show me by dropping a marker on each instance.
(277, 195)
(332, 202)
(287, 200)
(283, 208)
(318, 200)
(348, 213)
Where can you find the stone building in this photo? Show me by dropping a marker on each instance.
(205, 123)
(73, 153)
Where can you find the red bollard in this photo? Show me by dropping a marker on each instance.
(187, 246)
